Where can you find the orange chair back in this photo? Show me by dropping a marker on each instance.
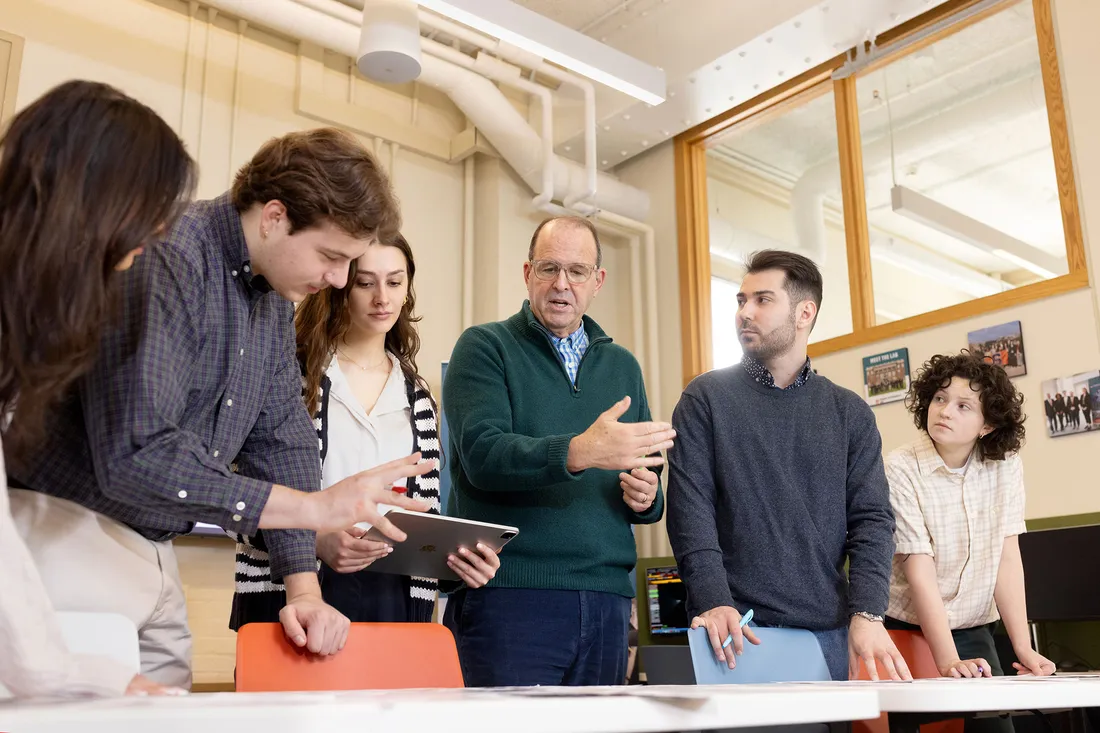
(918, 655)
(922, 665)
(376, 657)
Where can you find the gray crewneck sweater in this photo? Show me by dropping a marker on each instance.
(770, 492)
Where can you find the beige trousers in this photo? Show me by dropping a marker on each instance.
(89, 562)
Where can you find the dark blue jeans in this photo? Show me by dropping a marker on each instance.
(834, 645)
(521, 637)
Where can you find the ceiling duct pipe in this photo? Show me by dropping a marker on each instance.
(477, 97)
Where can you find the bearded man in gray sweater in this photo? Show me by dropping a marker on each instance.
(776, 482)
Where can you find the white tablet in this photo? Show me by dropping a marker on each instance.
(431, 538)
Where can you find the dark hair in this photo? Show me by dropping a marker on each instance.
(1002, 405)
(87, 175)
(323, 320)
(322, 175)
(575, 222)
(802, 279)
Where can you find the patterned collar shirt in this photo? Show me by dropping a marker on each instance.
(763, 377)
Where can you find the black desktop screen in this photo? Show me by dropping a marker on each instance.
(1061, 573)
(667, 597)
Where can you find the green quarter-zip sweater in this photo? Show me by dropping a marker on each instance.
(511, 411)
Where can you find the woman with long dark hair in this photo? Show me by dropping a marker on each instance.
(357, 347)
(88, 178)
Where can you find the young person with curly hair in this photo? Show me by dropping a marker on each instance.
(958, 498)
(357, 348)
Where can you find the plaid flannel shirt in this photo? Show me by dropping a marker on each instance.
(198, 375)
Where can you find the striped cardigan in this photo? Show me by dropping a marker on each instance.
(256, 598)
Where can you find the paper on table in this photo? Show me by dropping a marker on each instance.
(1078, 675)
(666, 692)
(845, 683)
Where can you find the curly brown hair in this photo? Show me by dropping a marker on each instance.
(323, 319)
(1002, 404)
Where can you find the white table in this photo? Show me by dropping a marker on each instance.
(996, 694)
(911, 703)
(533, 710)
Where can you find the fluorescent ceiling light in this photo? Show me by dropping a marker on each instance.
(1021, 262)
(555, 42)
(951, 222)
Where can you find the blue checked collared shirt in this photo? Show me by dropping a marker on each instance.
(199, 374)
(571, 349)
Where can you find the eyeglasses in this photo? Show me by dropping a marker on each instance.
(577, 273)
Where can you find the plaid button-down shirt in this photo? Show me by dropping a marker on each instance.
(200, 374)
(961, 520)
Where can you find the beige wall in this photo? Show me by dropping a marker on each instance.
(139, 46)
(653, 172)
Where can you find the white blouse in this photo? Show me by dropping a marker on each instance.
(358, 441)
(34, 661)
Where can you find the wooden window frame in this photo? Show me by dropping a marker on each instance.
(691, 192)
(15, 64)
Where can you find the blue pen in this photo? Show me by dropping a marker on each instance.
(744, 620)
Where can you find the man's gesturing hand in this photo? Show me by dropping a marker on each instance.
(618, 446)
(356, 498)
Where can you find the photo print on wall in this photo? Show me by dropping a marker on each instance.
(1070, 404)
(886, 377)
(1002, 345)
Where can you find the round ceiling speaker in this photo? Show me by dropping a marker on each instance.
(389, 41)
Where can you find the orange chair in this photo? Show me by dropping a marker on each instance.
(922, 665)
(376, 657)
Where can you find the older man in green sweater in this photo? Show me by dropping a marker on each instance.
(550, 432)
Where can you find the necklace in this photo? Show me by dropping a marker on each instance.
(376, 367)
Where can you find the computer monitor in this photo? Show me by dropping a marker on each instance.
(1060, 571)
(666, 600)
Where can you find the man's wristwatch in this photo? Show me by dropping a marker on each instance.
(869, 616)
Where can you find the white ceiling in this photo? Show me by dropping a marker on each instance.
(593, 15)
(715, 54)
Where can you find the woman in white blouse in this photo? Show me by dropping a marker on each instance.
(958, 498)
(357, 347)
(88, 177)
